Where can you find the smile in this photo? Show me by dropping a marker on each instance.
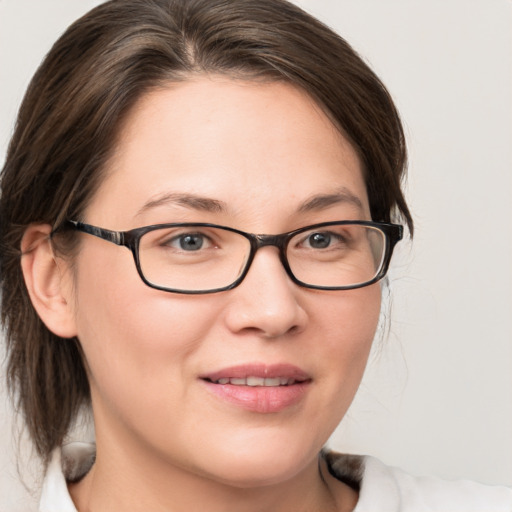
(259, 388)
(257, 381)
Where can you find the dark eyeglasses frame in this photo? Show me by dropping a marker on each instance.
(130, 239)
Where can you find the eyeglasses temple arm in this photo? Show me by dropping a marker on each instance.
(116, 237)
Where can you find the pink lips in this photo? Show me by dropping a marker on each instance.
(258, 387)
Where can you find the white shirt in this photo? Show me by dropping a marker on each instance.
(382, 488)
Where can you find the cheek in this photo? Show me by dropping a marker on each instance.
(131, 333)
(351, 319)
(351, 324)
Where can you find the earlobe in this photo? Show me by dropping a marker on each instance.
(47, 281)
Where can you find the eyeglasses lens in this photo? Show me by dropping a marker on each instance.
(191, 258)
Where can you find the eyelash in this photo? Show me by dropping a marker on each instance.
(334, 237)
(169, 240)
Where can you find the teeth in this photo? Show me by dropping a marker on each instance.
(257, 381)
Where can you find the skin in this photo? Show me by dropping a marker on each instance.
(163, 441)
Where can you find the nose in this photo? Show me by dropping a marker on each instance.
(267, 301)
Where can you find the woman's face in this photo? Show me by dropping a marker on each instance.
(262, 158)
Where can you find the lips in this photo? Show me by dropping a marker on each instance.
(261, 371)
(259, 388)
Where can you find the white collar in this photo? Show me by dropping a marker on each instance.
(382, 488)
(67, 464)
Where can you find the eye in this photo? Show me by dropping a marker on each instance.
(318, 240)
(189, 242)
(322, 241)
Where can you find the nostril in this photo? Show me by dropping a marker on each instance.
(267, 302)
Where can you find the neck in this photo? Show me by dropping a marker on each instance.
(130, 482)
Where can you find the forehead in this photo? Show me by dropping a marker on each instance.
(254, 147)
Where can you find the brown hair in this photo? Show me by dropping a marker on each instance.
(75, 104)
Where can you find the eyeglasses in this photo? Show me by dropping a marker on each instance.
(196, 258)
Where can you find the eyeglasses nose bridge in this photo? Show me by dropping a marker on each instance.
(278, 241)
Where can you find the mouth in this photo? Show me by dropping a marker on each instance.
(259, 388)
(256, 381)
(258, 375)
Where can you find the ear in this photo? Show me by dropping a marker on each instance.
(48, 280)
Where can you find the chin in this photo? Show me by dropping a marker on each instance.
(252, 476)
(256, 466)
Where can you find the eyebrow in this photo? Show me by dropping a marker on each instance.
(322, 201)
(206, 204)
(188, 200)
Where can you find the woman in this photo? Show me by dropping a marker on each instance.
(205, 196)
